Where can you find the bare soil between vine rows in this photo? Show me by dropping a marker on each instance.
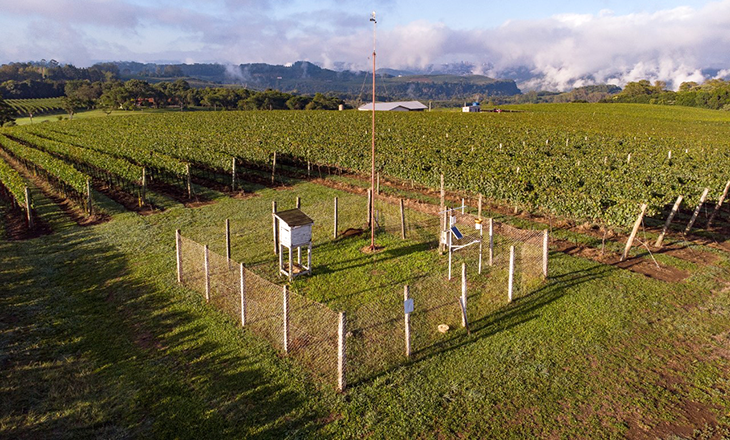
(68, 206)
(16, 225)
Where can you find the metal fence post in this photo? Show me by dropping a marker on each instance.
(341, 334)
(206, 265)
(286, 319)
(406, 291)
(275, 228)
(545, 241)
(463, 293)
(334, 232)
(228, 240)
(402, 220)
(510, 280)
(178, 254)
(491, 241)
(243, 295)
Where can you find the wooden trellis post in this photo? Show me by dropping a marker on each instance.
(634, 231)
(273, 169)
(143, 195)
(675, 209)
(233, 174)
(88, 196)
(28, 204)
(697, 211)
(189, 182)
(719, 204)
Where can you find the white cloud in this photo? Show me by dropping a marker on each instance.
(561, 51)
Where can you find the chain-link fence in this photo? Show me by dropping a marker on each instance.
(304, 329)
(375, 336)
(392, 216)
(377, 331)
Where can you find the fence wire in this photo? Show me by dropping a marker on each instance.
(375, 338)
(311, 335)
(419, 226)
(375, 333)
(193, 264)
(225, 292)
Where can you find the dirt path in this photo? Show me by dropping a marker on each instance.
(16, 224)
(69, 207)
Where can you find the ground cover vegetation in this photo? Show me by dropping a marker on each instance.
(587, 163)
(98, 339)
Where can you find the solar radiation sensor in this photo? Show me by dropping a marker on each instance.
(457, 233)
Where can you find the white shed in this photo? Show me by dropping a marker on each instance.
(472, 107)
(398, 106)
(295, 232)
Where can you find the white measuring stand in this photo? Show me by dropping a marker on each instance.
(455, 240)
(295, 232)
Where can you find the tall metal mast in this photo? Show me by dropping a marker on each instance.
(372, 169)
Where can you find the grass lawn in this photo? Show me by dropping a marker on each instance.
(83, 114)
(98, 340)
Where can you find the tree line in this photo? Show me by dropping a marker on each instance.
(47, 79)
(99, 87)
(136, 93)
(712, 94)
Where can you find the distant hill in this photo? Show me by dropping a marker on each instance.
(308, 78)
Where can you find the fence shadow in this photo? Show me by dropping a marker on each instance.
(361, 261)
(89, 333)
(520, 311)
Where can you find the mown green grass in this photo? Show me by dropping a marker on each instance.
(85, 114)
(99, 341)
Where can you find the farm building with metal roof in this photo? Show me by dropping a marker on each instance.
(399, 106)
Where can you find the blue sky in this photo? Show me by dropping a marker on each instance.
(563, 44)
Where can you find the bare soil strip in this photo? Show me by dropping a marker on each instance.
(70, 208)
(16, 225)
